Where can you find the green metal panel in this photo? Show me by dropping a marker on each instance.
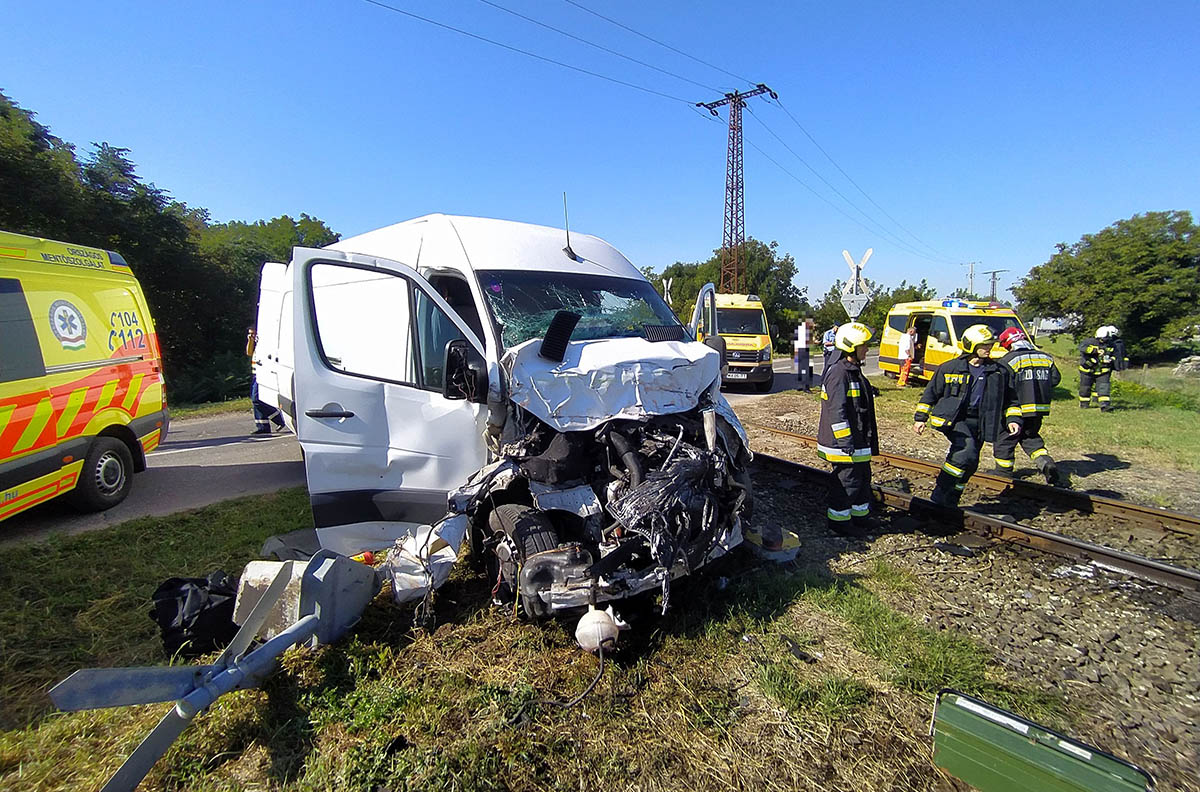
(995, 750)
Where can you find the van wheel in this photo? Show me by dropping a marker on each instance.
(106, 477)
(531, 532)
(765, 386)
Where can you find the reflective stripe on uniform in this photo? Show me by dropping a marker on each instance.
(1006, 463)
(1012, 412)
(833, 454)
(960, 486)
(1039, 452)
(841, 430)
(922, 407)
(824, 395)
(860, 510)
(957, 472)
(937, 420)
(1031, 409)
(1104, 398)
(853, 391)
(838, 515)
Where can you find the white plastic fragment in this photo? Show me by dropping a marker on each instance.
(422, 561)
(598, 628)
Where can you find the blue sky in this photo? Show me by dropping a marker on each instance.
(989, 131)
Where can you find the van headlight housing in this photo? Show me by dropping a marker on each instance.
(764, 354)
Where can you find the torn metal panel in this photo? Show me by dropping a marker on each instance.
(599, 381)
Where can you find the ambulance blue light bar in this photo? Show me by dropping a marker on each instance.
(956, 303)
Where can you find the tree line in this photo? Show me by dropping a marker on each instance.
(200, 278)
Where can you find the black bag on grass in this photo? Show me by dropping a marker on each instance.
(195, 615)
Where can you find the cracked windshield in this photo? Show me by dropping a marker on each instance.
(523, 304)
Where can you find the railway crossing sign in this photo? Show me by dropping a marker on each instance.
(854, 303)
(854, 293)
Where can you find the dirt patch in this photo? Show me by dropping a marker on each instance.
(1102, 472)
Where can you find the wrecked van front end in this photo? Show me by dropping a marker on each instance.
(620, 469)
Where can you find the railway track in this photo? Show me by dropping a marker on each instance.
(1148, 516)
(1179, 578)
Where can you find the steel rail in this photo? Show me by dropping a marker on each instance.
(1164, 519)
(1015, 533)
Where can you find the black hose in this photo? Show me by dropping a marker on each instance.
(629, 457)
(520, 714)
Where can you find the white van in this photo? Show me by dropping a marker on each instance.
(423, 352)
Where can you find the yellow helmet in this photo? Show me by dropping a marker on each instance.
(851, 335)
(975, 335)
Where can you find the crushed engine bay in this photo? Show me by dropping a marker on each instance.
(568, 519)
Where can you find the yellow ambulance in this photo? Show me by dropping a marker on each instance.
(81, 387)
(742, 321)
(940, 324)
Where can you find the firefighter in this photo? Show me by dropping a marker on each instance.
(1034, 377)
(970, 399)
(847, 435)
(1098, 357)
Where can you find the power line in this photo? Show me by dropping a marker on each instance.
(852, 181)
(597, 46)
(656, 41)
(835, 207)
(878, 227)
(527, 53)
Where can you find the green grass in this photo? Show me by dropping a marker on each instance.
(211, 408)
(691, 701)
(1147, 427)
(83, 600)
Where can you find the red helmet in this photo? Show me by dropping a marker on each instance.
(1010, 336)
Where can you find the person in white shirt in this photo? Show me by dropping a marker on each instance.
(906, 350)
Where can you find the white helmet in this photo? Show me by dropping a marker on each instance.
(1107, 331)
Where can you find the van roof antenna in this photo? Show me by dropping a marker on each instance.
(566, 223)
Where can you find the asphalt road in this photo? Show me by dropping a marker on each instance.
(202, 461)
(209, 459)
(785, 378)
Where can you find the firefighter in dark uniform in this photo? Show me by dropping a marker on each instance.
(1098, 358)
(847, 435)
(1034, 377)
(972, 401)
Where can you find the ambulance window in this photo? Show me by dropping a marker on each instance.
(940, 330)
(363, 321)
(898, 322)
(20, 354)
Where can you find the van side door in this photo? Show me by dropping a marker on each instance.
(382, 445)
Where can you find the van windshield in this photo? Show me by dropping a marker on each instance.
(523, 303)
(997, 324)
(741, 321)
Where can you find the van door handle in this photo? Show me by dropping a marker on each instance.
(329, 413)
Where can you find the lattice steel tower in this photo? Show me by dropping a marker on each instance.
(734, 234)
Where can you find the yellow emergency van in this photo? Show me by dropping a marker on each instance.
(940, 324)
(81, 387)
(742, 322)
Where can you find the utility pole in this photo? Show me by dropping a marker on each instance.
(735, 196)
(995, 276)
(970, 277)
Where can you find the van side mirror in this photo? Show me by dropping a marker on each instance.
(774, 330)
(465, 373)
(718, 343)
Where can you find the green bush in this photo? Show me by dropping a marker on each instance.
(226, 377)
(1136, 395)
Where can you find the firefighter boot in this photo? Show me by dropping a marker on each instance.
(845, 528)
(866, 524)
(1049, 470)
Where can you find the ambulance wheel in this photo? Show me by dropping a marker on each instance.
(106, 477)
(766, 384)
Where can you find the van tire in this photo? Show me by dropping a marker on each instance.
(106, 477)
(766, 384)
